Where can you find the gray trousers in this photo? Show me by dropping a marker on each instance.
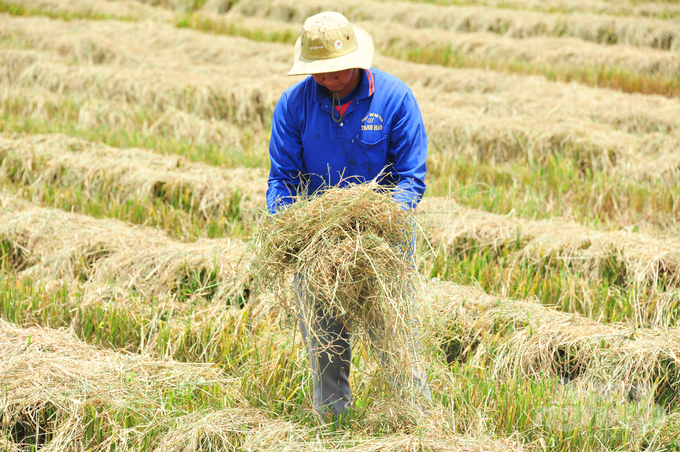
(330, 354)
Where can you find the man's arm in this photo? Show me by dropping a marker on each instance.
(285, 154)
(408, 151)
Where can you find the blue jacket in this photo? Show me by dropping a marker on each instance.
(381, 134)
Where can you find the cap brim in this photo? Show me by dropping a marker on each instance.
(360, 58)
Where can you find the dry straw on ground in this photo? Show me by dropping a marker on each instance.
(607, 30)
(62, 390)
(76, 395)
(169, 48)
(121, 9)
(158, 83)
(563, 54)
(525, 338)
(350, 250)
(630, 259)
(660, 9)
(52, 245)
(45, 162)
(480, 114)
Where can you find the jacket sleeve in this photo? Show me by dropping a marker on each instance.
(285, 154)
(408, 152)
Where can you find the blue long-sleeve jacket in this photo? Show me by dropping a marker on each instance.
(381, 133)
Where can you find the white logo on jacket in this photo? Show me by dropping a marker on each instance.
(369, 122)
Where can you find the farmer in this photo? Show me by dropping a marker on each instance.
(347, 123)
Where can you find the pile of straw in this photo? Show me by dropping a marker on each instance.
(61, 394)
(635, 259)
(350, 249)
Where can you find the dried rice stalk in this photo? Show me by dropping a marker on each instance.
(121, 9)
(482, 115)
(633, 31)
(58, 388)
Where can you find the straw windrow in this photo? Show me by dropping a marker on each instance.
(523, 338)
(62, 393)
(601, 29)
(642, 258)
(654, 8)
(196, 191)
(602, 129)
(79, 249)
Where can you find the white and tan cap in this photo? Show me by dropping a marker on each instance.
(329, 43)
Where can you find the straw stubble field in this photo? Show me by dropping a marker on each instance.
(133, 165)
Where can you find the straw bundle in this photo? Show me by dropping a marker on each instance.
(343, 244)
(350, 250)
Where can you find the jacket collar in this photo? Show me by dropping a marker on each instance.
(366, 87)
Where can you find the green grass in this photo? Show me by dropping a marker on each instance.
(611, 77)
(17, 9)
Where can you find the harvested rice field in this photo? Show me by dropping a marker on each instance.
(146, 298)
